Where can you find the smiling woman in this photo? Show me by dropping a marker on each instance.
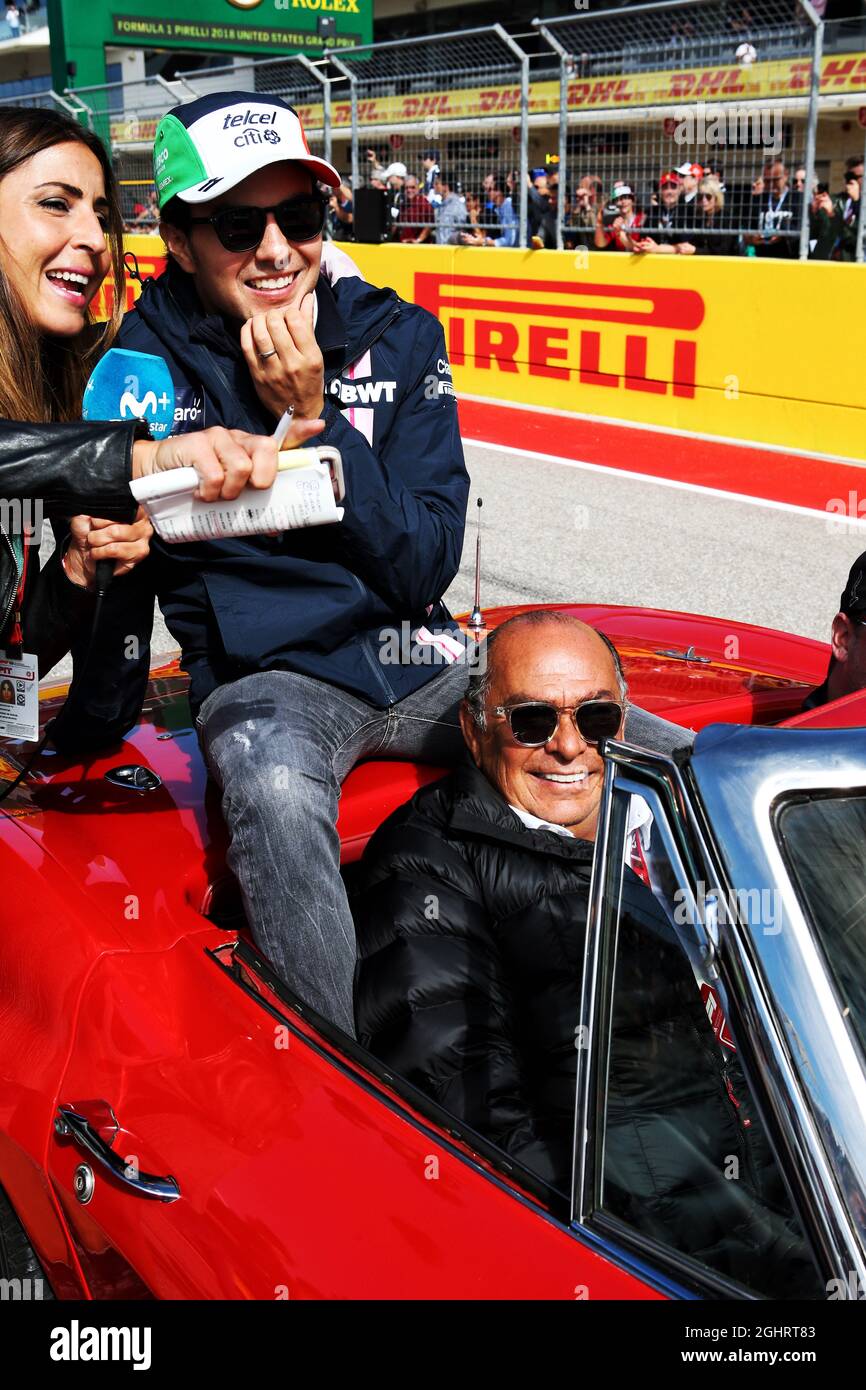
(60, 233)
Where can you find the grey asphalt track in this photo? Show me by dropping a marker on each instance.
(553, 532)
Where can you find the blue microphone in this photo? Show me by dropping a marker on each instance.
(129, 386)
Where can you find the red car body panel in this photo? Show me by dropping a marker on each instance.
(301, 1174)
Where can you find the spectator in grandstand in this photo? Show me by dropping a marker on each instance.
(509, 222)
(777, 209)
(487, 187)
(430, 161)
(13, 19)
(416, 214)
(847, 207)
(450, 214)
(709, 239)
(541, 218)
(581, 213)
(847, 670)
(395, 177)
(617, 236)
(377, 170)
(341, 211)
(664, 225)
(473, 209)
(690, 174)
(150, 212)
(833, 222)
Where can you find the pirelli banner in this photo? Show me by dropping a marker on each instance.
(743, 349)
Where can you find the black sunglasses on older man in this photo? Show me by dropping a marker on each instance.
(534, 722)
(241, 228)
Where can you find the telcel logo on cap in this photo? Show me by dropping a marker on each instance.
(217, 141)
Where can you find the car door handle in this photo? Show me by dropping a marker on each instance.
(68, 1121)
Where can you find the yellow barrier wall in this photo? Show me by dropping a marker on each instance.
(743, 349)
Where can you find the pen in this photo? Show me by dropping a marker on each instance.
(284, 425)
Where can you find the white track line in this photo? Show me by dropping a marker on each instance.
(578, 418)
(840, 525)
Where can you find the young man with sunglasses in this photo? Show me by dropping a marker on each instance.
(310, 650)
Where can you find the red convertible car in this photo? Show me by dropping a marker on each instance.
(175, 1125)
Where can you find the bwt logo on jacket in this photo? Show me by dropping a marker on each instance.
(495, 325)
(363, 392)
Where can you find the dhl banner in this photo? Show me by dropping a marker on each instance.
(787, 77)
(765, 351)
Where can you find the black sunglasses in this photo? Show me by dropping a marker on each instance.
(242, 228)
(535, 722)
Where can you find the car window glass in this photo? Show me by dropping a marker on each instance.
(684, 1160)
(823, 841)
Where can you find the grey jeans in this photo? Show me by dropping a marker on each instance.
(280, 745)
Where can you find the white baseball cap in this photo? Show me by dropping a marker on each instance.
(621, 190)
(397, 170)
(208, 146)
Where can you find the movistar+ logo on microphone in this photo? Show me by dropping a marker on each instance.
(130, 404)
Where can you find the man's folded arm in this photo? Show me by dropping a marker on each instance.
(405, 509)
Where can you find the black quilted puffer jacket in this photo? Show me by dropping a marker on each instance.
(471, 936)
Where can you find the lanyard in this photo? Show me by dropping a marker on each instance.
(16, 637)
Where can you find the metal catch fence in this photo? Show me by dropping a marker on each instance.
(672, 127)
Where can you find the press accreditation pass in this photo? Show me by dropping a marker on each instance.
(19, 697)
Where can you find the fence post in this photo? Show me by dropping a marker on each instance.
(861, 217)
(812, 126)
(353, 90)
(326, 101)
(564, 60)
(524, 127)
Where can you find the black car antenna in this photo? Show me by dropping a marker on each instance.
(476, 619)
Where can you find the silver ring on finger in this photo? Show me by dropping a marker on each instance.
(264, 355)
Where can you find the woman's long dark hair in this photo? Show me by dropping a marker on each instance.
(43, 378)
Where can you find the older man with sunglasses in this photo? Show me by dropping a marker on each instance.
(310, 650)
(471, 913)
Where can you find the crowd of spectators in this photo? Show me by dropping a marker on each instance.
(687, 210)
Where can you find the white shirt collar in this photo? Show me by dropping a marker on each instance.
(534, 823)
(639, 818)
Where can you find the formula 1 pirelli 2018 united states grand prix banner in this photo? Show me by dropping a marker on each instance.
(741, 349)
(81, 29)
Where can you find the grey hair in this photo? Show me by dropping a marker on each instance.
(479, 685)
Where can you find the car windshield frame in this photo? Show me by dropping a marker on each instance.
(788, 814)
(698, 876)
(807, 1051)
